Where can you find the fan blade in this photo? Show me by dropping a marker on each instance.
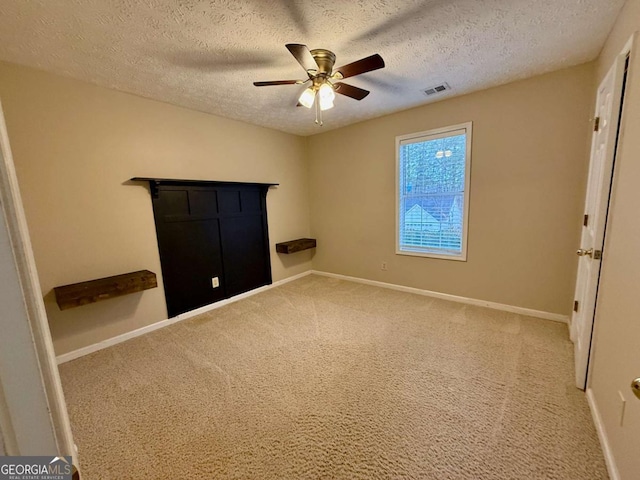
(351, 91)
(364, 65)
(303, 56)
(277, 82)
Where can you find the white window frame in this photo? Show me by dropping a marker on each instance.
(433, 135)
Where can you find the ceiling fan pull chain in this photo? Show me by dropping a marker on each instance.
(318, 115)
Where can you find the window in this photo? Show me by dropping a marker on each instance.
(433, 192)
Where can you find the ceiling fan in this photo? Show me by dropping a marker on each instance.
(325, 80)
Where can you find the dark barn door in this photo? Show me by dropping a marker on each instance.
(210, 231)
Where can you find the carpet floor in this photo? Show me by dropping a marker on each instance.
(328, 379)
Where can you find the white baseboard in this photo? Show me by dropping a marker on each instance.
(81, 352)
(66, 357)
(556, 317)
(602, 436)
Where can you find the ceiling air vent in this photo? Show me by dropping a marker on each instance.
(436, 89)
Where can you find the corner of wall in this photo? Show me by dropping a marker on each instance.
(76, 145)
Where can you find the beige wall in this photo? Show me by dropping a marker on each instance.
(75, 145)
(529, 164)
(616, 354)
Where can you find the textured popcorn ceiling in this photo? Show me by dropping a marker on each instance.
(206, 54)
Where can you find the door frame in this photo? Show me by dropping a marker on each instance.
(617, 64)
(33, 412)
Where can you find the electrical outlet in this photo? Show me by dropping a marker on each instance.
(623, 404)
(215, 283)
(383, 266)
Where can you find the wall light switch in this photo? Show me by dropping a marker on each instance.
(215, 283)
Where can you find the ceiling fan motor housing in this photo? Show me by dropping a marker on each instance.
(325, 60)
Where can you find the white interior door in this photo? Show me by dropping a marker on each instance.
(603, 148)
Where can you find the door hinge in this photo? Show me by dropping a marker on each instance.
(576, 304)
(596, 124)
(585, 221)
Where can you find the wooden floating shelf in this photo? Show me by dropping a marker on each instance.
(294, 246)
(83, 293)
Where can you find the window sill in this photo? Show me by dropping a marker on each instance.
(457, 258)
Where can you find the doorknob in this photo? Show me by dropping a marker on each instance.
(635, 386)
(582, 253)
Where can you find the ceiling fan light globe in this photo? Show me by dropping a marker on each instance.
(326, 93)
(325, 104)
(307, 98)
